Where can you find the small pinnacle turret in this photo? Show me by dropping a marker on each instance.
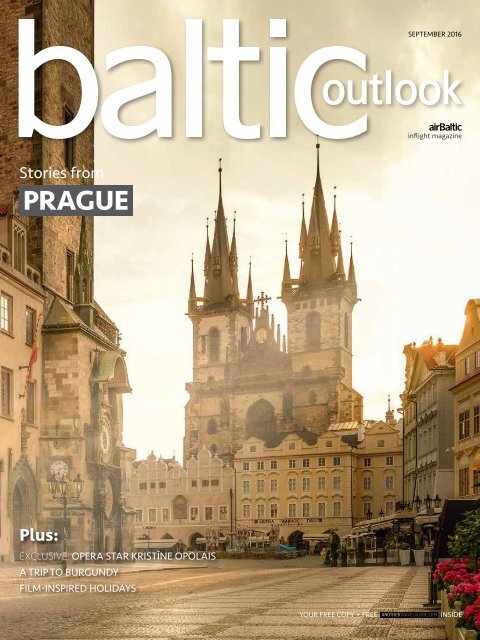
(192, 296)
(351, 269)
(334, 232)
(303, 232)
(234, 259)
(249, 299)
(286, 280)
(340, 266)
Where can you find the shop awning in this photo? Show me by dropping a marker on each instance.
(155, 544)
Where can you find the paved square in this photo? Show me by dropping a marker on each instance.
(230, 600)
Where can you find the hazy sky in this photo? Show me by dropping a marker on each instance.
(410, 206)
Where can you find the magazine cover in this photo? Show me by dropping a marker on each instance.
(239, 319)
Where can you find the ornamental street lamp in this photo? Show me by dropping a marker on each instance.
(428, 502)
(380, 513)
(437, 501)
(59, 488)
(416, 503)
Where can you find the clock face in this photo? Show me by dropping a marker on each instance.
(261, 335)
(108, 501)
(106, 441)
(59, 469)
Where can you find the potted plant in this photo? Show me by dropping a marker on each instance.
(404, 553)
(350, 556)
(392, 552)
(419, 554)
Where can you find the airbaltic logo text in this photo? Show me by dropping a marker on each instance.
(378, 90)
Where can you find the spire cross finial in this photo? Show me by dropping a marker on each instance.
(192, 258)
(220, 173)
(389, 402)
(286, 243)
(318, 156)
(263, 299)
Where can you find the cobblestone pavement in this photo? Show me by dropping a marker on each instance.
(233, 600)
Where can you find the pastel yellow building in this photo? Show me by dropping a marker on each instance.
(466, 392)
(306, 483)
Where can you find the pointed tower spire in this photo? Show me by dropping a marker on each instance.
(192, 296)
(334, 232)
(208, 253)
(318, 266)
(249, 299)
(351, 268)
(340, 266)
(303, 232)
(219, 285)
(287, 279)
(234, 259)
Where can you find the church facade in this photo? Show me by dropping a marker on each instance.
(248, 380)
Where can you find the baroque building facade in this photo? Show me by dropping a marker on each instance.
(466, 392)
(304, 483)
(80, 374)
(427, 405)
(247, 379)
(178, 507)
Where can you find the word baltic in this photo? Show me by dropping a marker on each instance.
(376, 90)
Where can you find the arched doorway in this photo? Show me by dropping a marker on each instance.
(295, 539)
(192, 541)
(260, 420)
(24, 498)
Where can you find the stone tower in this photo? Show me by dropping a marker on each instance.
(245, 380)
(319, 305)
(82, 373)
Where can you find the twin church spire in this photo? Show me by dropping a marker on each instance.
(220, 265)
(320, 252)
(320, 248)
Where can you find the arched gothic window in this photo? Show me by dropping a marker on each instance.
(214, 345)
(212, 426)
(312, 330)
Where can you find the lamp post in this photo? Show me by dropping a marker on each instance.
(59, 488)
(437, 501)
(416, 503)
(380, 513)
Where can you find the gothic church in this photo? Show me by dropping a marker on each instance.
(247, 379)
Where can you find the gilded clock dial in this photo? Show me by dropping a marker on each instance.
(59, 469)
(261, 335)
